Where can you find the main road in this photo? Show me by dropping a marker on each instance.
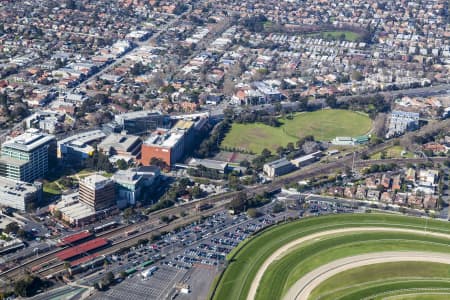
(432, 90)
(153, 38)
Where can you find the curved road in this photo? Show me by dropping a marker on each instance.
(284, 250)
(303, 287)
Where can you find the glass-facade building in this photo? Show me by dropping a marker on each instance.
(26, 157)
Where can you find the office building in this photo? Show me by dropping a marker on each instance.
(26, 157)
(166, 146)
(140, 122)
(77, 147)
(19, 195)
(128, 187)
(121, 144)
(97, 192)
(169, 146)
(132, 183)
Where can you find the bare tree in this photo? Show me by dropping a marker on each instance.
(228, 86)
(379, 124)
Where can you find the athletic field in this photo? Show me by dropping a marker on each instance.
(324, 125)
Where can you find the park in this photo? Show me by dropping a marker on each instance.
(324, 125)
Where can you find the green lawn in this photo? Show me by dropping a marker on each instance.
(323, 125)
(336, 35)
(438, 295)
(394, 152)
(400, 287)
(346, 282)
(256, 137)
(243, 266)
(51, 188)
(285, 272)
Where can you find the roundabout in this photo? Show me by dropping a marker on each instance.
(296, 260)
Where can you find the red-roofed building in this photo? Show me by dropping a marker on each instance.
(75, 238)
(83, 260)
(75, 251)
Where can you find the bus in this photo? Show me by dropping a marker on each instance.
(130, 271)
(147, 263)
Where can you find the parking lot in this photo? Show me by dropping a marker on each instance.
(156, 286)
(190, 257)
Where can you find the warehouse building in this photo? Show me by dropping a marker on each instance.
(278, 167)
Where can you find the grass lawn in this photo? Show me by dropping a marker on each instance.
(438, 295)
(51, 188)
(323, 125)
(410, 288)
(394, 152)
(285, 272)
(336, 35)
(256, 137)
(349, 35)
(244, 265)
(345, 282)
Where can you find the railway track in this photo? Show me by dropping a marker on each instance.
(220, 201)
(131, 241)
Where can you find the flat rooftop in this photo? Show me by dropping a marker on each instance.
(184, 124)
(95, 181)
(15, 187)
(83, 138)
(126, 176)
(119, 141)
(136, 115)
(166, 140)
(29, 140)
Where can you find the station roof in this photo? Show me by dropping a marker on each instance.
(70, 239)
(82, 248)
(82, 260)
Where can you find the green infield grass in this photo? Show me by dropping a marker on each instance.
(401, 289)
(368, 277)
(283, 273)
(244, 263)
